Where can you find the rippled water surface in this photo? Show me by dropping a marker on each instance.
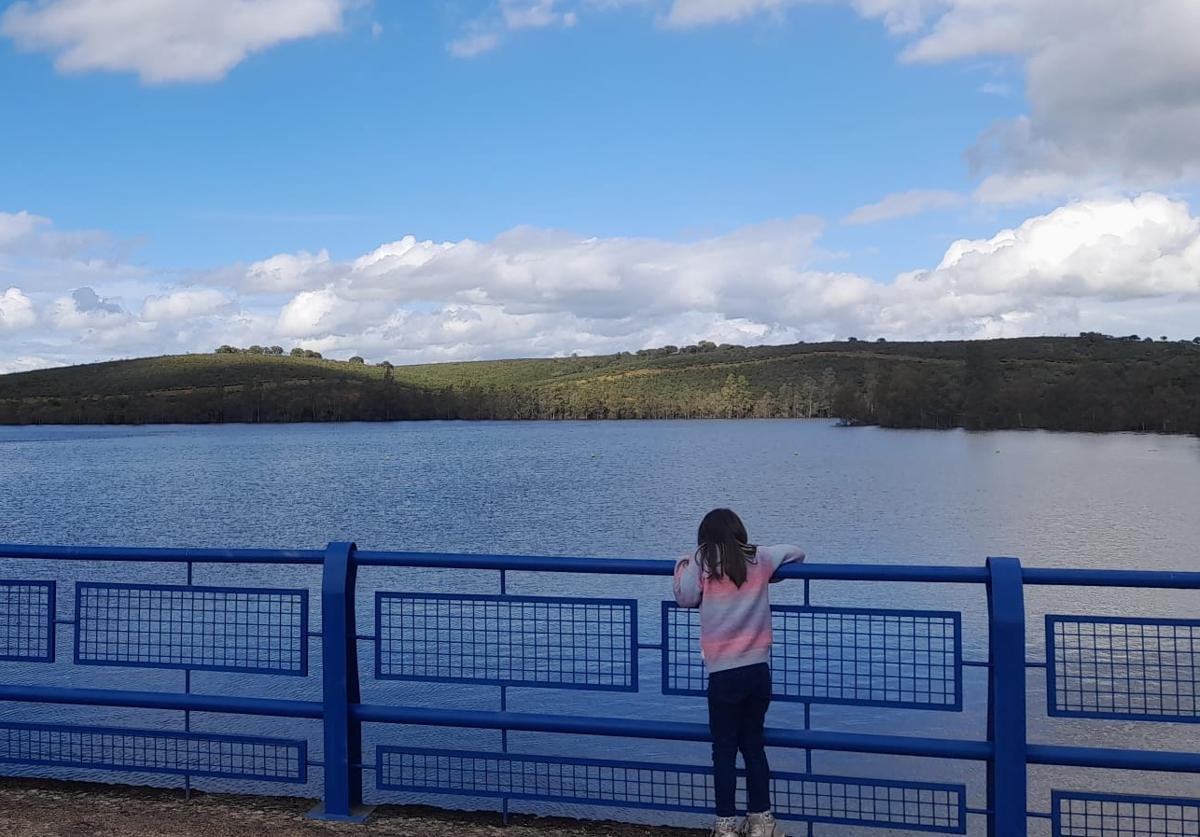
(621, 489)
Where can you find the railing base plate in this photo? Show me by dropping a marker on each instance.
(358, 814)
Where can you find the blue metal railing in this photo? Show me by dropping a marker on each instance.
(1097, 668)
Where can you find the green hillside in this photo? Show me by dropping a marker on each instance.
(1087, 383)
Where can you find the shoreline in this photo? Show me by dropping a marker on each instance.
(469, 421)
(50, 808)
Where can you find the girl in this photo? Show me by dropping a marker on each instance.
(727, 579)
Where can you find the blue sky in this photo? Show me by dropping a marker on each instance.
(673, 170)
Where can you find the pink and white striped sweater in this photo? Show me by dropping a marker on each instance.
(735, 622)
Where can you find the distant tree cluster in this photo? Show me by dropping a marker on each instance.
(701, 347)
(270, 351)
(276, 351)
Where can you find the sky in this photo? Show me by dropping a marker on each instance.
(427, 180)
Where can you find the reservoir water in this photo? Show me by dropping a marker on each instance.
(633, 489)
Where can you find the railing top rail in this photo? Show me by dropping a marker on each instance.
(604, 566)
(1162, 579)
(157, 555)
(658, 567)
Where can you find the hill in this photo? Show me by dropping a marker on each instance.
(1091, 382)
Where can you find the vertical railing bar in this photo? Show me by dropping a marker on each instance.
(187, 713)
(807, 726)
(504, 708)
(1007, 776)
(809, 828)
(340, 689)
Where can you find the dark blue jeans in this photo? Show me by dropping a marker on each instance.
(737, 708)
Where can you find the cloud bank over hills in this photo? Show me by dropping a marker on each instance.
(1116, 264)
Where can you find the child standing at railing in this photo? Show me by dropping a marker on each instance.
(727, 577)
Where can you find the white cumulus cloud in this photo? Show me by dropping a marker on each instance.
(16, 310)
(185, 304)
(16, 226)
(164, 40)
(287, 271)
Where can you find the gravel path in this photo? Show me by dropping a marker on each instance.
(32, 808)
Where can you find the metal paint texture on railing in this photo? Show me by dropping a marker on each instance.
(880, 657)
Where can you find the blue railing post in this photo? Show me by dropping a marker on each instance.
(1007, 777)
(339, 679)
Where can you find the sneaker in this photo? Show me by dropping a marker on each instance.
(762, 825)
(725, 827)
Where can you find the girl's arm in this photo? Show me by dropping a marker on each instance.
(784, 554)
(688, 587)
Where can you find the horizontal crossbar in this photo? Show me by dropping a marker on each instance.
(164, 700)
(900, 745)
(1110, 759)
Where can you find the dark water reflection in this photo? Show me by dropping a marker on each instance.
(622, 489)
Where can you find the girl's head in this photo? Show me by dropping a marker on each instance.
(723, 546)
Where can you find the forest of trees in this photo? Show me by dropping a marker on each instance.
(1091, 383)
(985, 392)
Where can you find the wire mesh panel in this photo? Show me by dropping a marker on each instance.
(27, 621)
(262, 631)
(908, 658)
(1131, 669)
(507, 640)
(1117, 815)
(917, 806)
(155, 751)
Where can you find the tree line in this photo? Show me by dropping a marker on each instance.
(986, 392)
(1090, 383)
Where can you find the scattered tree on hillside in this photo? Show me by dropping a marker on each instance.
(357, 360)
(736, 399)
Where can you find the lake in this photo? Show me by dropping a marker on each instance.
(631, 489)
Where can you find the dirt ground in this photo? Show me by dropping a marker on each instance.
(32, 808)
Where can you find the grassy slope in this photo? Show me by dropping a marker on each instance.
(764, 367)
(613, 377)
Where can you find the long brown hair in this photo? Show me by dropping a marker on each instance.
(723, 547)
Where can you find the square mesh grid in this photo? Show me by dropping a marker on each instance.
(1132, 669)
(1113, 815)
(507, 640)
(155, 751)
(27, 621)
(262, 631)
(907, 658)
(918, 806)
